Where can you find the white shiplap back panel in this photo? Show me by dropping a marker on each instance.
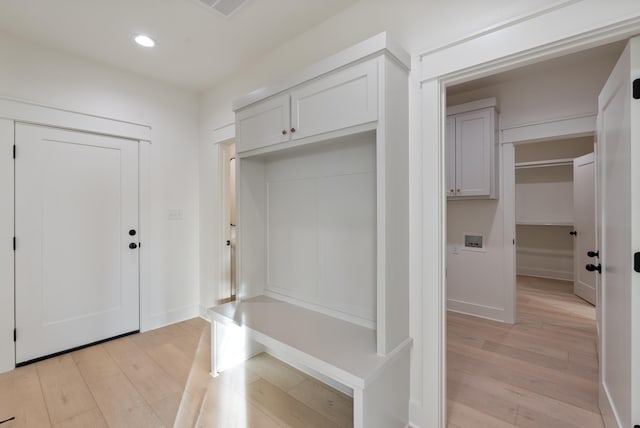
(321, 226)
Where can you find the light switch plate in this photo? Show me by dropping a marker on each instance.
(176, 214)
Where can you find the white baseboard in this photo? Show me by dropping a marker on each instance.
(203, 312)
(544, 273)
(606, 410)
(415, 415)
(482, 311)
(171, 317)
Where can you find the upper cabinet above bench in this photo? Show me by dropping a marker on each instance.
(338, 98)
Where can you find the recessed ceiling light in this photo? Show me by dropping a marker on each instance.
(145, 41)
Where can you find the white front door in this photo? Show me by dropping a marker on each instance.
(76, 205)
(584, 218)
(618, 239)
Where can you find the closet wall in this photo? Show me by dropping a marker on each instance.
(544, 206)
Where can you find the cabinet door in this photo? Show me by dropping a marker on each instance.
(339, 100)
(450, 156)
(263, 124)
(474, 163)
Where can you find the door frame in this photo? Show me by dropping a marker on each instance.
(14, 110)
(446, 66)
(222, 138)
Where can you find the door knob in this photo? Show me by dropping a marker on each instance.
(284, 132)
(293, 130)
(228, 243)
(573, 232)
(593, 253)
(133, 245)
(132, 232)
(592, 268)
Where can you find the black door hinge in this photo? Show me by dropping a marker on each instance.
(636, 264)
(14, 151)
(15, 335)
(14, 243)
(636, 89)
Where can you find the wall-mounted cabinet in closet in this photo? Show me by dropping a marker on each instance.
(471, 152)
(545, 208)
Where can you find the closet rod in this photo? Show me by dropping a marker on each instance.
(544, 163)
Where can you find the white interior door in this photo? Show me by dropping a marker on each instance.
(76, 200)
(584, 217)
(618, 238)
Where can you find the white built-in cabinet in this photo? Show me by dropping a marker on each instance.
(323, 229)
(340, 100)
(471, 150)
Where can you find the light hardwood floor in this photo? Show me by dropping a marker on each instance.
(161, 379)
(541, 372)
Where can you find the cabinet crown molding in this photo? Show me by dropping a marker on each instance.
(378, 44)
(473, 105)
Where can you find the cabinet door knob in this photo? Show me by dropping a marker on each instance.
(458, 190)
(293, 130)
(284, 132)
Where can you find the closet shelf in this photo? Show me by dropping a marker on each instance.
(544, 223)
(544, 163)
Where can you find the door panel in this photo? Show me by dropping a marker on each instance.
(7, 351)
(473, 153)
(263, 124)
(76, 277)
(584, 218)
(618, 237)
(450, 156)
(344, 98)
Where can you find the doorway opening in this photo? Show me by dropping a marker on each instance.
(521, 347)
(227, 290)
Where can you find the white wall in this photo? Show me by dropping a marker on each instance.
(547, 94)
(475, 278)
(38, 74)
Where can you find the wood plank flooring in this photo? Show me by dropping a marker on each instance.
(540, 372)
(161, 379)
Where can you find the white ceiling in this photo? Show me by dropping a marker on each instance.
(196, 47)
